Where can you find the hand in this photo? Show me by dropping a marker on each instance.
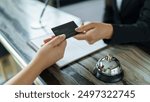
(51, 52)
(93, 32)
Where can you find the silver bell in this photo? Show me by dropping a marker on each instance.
(108, 69)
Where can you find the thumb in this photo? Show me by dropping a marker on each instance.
(57, 40)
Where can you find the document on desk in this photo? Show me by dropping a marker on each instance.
(75, 49)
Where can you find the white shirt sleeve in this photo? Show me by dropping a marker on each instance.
(119, 2)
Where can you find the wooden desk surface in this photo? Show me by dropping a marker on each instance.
(16, 18)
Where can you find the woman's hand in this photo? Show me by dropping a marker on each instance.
(93, 32)
(51, 52)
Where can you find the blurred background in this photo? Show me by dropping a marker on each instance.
(87, 10)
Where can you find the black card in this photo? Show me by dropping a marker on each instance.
(68, 29)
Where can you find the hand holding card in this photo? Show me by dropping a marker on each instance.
(68, 29)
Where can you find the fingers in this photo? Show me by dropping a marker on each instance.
(62, 46)
(57, 40)
(86, 27)
(81, 36)
(84, 30)
(48, 39)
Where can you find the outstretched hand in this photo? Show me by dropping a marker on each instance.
(93, 32)
(51, 51)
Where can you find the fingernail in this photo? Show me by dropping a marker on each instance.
(84, 32)
(76, 29)
(63, 35)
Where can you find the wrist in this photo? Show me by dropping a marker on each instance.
(36, 66)
(109, 31)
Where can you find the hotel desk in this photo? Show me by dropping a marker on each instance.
(16, 18)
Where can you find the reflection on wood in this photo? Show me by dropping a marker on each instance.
(135, 63)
